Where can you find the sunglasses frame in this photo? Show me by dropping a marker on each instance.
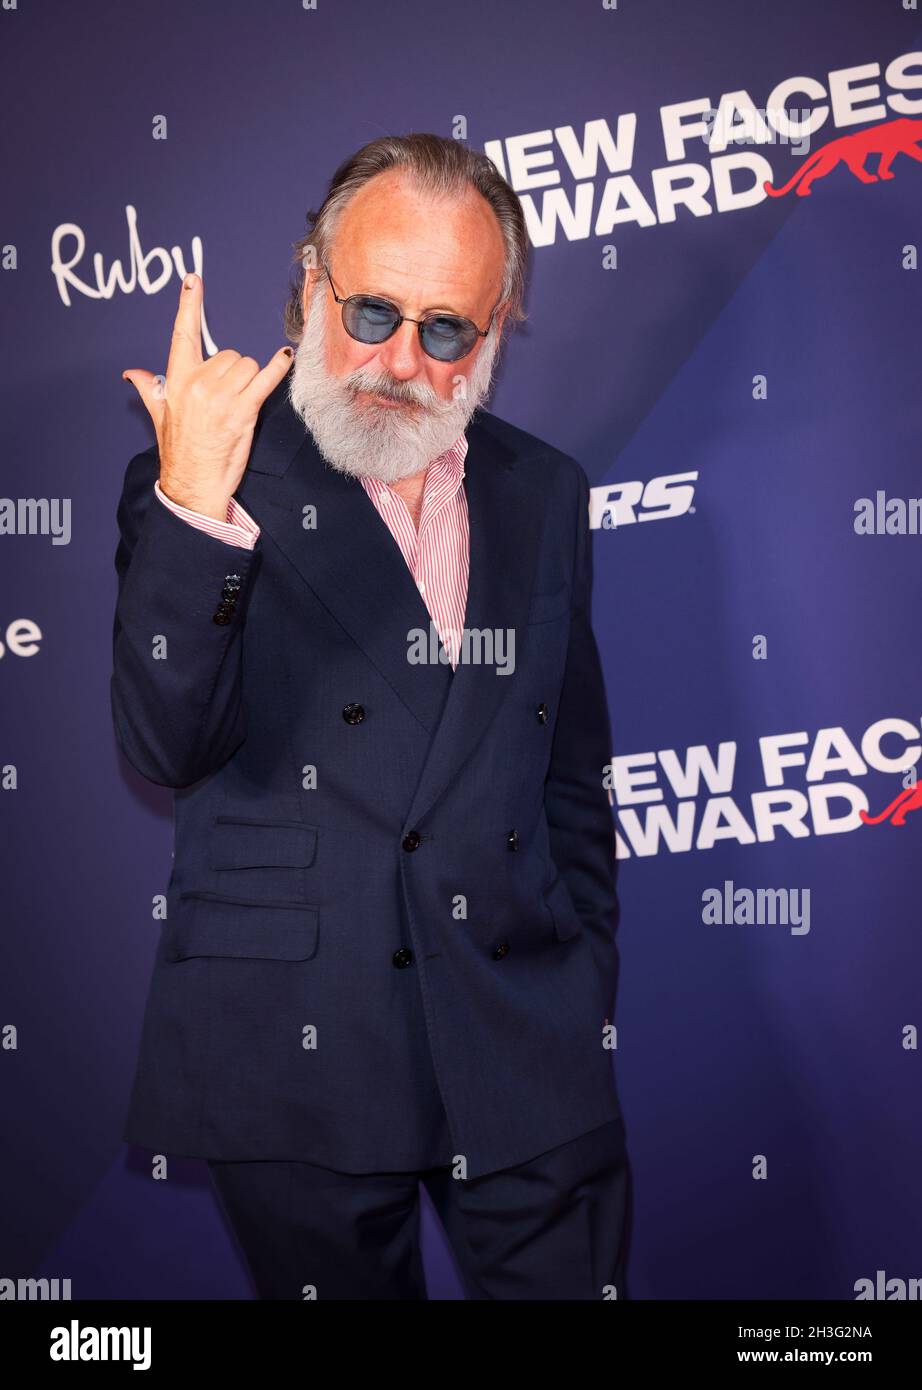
(402, 318)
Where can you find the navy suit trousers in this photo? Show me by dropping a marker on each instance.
(551, 1228)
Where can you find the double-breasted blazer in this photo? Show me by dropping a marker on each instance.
(390, 918)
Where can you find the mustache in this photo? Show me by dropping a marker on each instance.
(401, 392)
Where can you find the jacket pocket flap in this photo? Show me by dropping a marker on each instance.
(262, 844)
(566, 918)
(211, 925)
(544, 607)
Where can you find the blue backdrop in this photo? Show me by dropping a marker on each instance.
(681, 322)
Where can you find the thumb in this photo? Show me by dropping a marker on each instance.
(150, 388)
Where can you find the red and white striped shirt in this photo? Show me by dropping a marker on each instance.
(437, 555)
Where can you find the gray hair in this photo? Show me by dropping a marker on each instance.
(437, 166)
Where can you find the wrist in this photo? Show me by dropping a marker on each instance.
(204, 504)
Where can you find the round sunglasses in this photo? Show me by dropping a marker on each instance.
(370, 319)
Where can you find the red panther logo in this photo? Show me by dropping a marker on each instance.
(908, 800)
(888, 140)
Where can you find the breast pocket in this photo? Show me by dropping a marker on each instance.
(212, 924)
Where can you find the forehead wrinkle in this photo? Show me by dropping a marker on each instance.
(387, 228)
(378, 280)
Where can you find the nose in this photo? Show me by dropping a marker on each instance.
(402, 354)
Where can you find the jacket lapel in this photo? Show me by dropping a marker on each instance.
(355, 568)
(505, 523)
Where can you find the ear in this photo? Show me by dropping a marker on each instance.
(313, 275)
(310, 280)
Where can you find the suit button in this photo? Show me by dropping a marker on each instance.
(512, 839)
(402, 958)
(354, 714)
(542, 713)
(412, 840)
(223, 614)
(501, 950)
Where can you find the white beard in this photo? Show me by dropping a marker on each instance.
(358, 437)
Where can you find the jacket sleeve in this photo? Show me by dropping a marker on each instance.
(176, 689)
(577, 804)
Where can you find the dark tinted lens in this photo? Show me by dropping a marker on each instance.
(447, 338)
(369, 320)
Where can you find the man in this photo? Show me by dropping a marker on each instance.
(353, 633)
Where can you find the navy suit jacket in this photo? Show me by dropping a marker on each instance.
(423, 928)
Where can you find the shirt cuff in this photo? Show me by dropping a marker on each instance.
(239, 528)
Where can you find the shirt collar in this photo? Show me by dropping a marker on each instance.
(447, 471)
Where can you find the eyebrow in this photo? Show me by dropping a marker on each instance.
(435, 309)
(377, 294)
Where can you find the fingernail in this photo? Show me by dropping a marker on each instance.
(189, 282)
(288, 352)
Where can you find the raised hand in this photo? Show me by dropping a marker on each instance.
(205, 412)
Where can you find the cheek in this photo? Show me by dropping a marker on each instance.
(345, 355)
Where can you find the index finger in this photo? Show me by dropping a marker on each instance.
(186, 342)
